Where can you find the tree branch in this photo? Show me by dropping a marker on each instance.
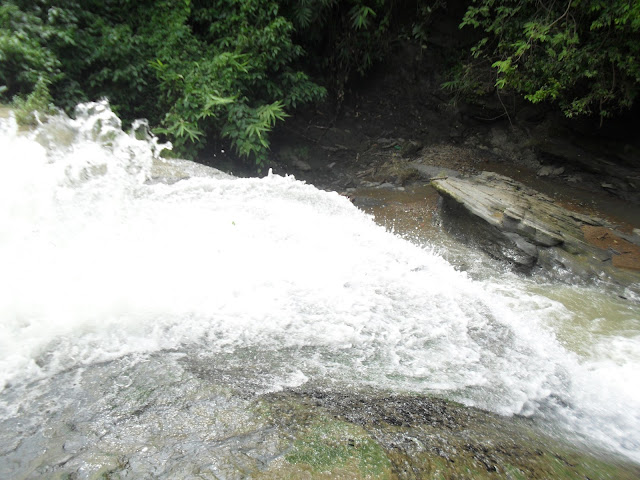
(566, 12)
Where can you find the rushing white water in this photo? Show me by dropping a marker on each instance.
(97, 262)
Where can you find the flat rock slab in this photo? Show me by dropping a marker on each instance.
(516, 223)
(181, 416)
(173, 170)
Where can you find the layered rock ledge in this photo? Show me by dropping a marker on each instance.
(513, 222)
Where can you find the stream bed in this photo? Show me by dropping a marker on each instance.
(213, 327)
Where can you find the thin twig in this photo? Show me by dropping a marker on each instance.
(503, 106)
(566, 12)
(483, 119)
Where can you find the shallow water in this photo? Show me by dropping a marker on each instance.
(275, 282)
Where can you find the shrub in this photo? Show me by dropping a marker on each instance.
(24, 58)
(195, 69)
(583, 55)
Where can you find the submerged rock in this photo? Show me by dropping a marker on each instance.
(170, 171)
(178, 415)
(528, 229)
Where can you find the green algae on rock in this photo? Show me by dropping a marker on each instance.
(375, 434)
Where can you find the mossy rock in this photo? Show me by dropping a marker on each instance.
(391, 436)
(333, 445)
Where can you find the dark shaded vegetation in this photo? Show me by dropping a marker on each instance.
(227, 70)
(583, 55)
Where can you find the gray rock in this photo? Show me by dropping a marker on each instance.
(300, 164)
(386, 143)
(173, 170)
(515, 223)
(615, 167)
(550, 171)
(410, 147)
(574, 179)
(429, 172)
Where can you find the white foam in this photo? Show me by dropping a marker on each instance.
(96, 264)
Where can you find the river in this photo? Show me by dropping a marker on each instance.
(111, 282)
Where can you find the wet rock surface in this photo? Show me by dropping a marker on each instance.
(197, 419)
(317, 431)
(180, 415)
(427, 437)
(170, 171)
(522, 226)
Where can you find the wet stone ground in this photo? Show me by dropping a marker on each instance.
(179, 414)
(423, 437)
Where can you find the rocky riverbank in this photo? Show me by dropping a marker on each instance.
(186, 411)
(321, 431)
(377, 434)
(531, 231)
(178, 415)
(398, 137)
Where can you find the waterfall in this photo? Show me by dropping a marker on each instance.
(278, 279)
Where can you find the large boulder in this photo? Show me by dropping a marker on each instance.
(530, 230)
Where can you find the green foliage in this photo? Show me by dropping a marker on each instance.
(230, 70)
(226, 70)
(346, 39)
(238, 79)
(469, 81)
(83, 50)
(196, 69)
(582, 54)
(24, 57)
(354, 37)
(38, 102)
(248, 127)
(421, 21)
